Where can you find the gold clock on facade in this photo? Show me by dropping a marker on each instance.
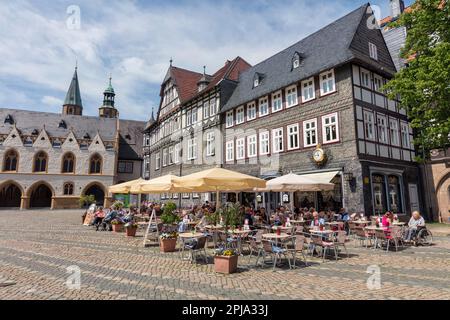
(319, 155)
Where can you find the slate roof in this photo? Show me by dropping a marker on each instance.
(130, 139)
(27, 121)
(322, 50)
(73, 96)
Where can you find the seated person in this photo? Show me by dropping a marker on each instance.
(387, 219)
(416, 222)
(317, 220)
(98, 217)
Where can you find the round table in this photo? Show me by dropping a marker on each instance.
(281, 228)
(398, 224)
(190, 235)
(214, 227)
(274, 236)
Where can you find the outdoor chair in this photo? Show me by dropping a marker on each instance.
(195, 248)
(227, 241)
(317, 241)
(255, 246)
(340, 240)
(297, 246)
(361, 235)
(387, 237)
(275, 253)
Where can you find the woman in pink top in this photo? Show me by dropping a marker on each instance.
(387, 219)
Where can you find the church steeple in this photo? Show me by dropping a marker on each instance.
(108, 110)
(72, 103)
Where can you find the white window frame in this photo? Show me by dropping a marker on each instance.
(171, 158)
(264, 141)
(240, 115)
(404, 134)
(382, 129)
(369, 122)
(291, 134)
(251, 115)
(266, 103)
(309, 85)
(365, 75)
(229, 149)
(240, 146)
(324, 127)
(252, 146)
(229, 119)
(210, 144)
(377, 83)
(176, 155)
(276, 139)
(373, 51)
(394, 132)
(307, 130)
(158, 160)
(189, 118)
(206, 110)
(329, 75)
(192, 149)
(291, 92)
(212, 107)
(277, 101)
(194, 116)
(165, 156)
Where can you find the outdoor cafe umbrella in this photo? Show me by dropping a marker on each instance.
(293, 182)
(219, 179)
(124, 187)
(167, 183)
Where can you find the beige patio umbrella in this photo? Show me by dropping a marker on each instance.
(124, 187)
(293, 182)
(220, 180)
(168, 183)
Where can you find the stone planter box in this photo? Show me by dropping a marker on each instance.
(167, 245)
(226, 265)
(117, 227)
(131, 232)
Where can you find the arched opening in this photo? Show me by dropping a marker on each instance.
(11, 160)
(95, 165)
(41, 197)
(10, 196)
(98, 193)
(68, 163)
(40, 162)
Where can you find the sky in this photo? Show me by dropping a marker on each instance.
(133, 41)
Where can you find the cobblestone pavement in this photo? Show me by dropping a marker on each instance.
(36, 247)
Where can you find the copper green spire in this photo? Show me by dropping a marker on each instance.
(73, 96)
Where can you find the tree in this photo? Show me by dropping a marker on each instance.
(424, 85)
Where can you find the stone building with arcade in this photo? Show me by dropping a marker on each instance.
(49, 160)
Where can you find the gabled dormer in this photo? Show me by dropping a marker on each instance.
(297, 59)
(13, 139)
(42, 140)
(70, 143)
(257, 79)
(97, 144)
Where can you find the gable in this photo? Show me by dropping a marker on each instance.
(42, 140)
(70, 143)
(96, 144)
(13, 139)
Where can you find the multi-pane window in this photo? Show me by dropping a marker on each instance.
(405, 134)
(10, 163)
(365, 78)
(194, 116)
(68, 163)
(382, 129)
(229, 150)
(171, 160)
(192, 149)
(157, 161)
(263, 107)
(240, 149)
(293, 140)
(251, 146)
(125, 167)
(95, 164)
(373, 51)
(40, 162)
(68, 188)
(327, 82)
(264, 146)
(330, 128)
(277, 139)
(310, 133)
(393, 128)
(176, 153)
(369, 125)
(291, 96)
(377, 83)
(277, 102)
(229, 119)
(189, 117)
(251, 111)
(308, 90)
(206, 110)
(165, 153)
(210, 144)
(240, 115)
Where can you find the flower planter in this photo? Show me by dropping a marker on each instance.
(167, 245)
(225, 264)
(117, 227)
(131, 231)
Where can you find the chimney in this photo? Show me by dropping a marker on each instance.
(397, 7)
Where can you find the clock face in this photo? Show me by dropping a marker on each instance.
(318, 155)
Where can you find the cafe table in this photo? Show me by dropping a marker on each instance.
(401, 224)
(276, 237)
(297, 221)
(188, 236)
(275, 228)
(362, 222)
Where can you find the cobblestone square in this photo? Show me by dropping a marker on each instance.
(37, 247)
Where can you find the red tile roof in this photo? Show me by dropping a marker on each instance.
(389, 19)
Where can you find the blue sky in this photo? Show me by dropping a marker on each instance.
(134, 41)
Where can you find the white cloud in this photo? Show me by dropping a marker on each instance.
(135, 41)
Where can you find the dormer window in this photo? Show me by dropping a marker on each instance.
(257, 80)
(87, 136)
(9, 119)
(296, 61)
(62, 124)
(373, 51)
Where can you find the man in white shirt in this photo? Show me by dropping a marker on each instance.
(414, 223)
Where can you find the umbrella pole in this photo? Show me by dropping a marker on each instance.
(217, 199)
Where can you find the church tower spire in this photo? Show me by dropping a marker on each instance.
(72, 104)
(107, 110)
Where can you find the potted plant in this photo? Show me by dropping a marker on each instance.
(131, 228)
(117, 225)
(117, 205)
(86, 200)
(168, 241)
(225, 259)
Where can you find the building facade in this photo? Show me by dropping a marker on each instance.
(316, 108)
(50, 160)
